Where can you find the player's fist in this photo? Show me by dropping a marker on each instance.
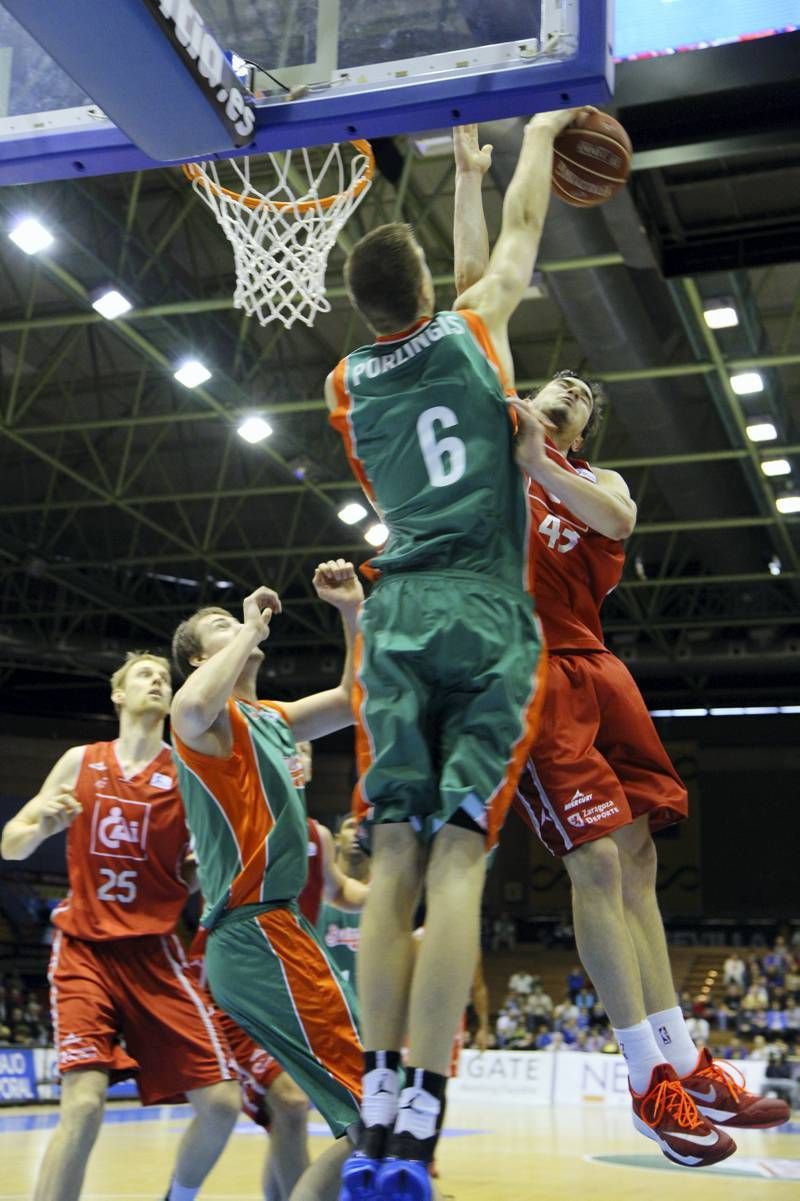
(258, 609)
(471, 157)
(58, 812)
(337, 583)
(529, 444)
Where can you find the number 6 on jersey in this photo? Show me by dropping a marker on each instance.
(445, 459)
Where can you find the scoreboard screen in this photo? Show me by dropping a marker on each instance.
(647, 28)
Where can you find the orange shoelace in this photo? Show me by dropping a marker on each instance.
(670, 1095)
(723, 1074)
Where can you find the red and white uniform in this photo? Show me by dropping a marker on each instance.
(597, 762)
(117, 969)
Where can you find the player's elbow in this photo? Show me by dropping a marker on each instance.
(10, 845)
(190, 719)
(467, 274)
(623, 524)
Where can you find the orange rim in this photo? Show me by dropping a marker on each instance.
(195, 174)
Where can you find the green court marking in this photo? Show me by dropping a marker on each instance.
(739, 1166)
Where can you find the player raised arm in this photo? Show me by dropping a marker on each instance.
(339, 890)
(52, 810)
(323, 712)
(201, 699)
(605, 506)
(496, 295)
(470, 235)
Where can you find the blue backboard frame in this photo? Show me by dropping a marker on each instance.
(58, 151)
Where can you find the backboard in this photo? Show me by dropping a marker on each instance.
(325, 71)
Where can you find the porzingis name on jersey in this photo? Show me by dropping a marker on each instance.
(441, 326)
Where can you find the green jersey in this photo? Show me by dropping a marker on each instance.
(247, 813)
(340, 934)
(429, 434)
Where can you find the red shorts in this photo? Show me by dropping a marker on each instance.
(137, 988)
(597, 762)
(255, 1067)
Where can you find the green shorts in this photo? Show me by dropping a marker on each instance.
(447, 693)
(269, 971)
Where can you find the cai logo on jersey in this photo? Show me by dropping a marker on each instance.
(119, 827)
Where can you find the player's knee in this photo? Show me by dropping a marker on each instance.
(595, 867)
(288, 1104)
(639, 866)
(81, 1111)
(219, 1105)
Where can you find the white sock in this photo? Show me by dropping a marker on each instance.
(418, 1113)
(178, 1192)
(380, 1096)
(672, 1035)
(638, 1045)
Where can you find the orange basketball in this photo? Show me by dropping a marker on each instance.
(591, 162)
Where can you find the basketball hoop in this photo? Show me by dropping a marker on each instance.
(282, 226)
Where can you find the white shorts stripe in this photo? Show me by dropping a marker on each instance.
(197, 1000)
(52, 968)
(548, 804)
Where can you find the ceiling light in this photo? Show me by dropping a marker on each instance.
(776, 467)
(721, 316)
(747, 383)
(351, 513)
(254, 429)
(761, 431)
(377, 534)
(788, 504)
(775, 566)
(31, 236)
(111, 304)
(191, 373)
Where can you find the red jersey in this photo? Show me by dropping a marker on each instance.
(310, 899)
(576, 567)
(125, 850)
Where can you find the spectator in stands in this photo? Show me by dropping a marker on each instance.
(539, 1004)
(569, 1033)
(779, 1074)
(575, 981)
(756, 996)
(522, 983)
(5, 1035)
(759, 1049)
(698, 1028)
(734, 1048)
(565, 1012)
(544, 1039)
(723, 1015)
(793, 1019)
(700, 1006)
(504, 933)
(792, 978)
(758, 1021)
(732, 996)
(21, 1032)
(734, 970)
(609, 1045)
(685, 1002)
(504, 1027)
(563, 933)
(585, 998)
(598, 1014)
(753, 970)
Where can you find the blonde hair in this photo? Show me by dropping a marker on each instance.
(118, 678)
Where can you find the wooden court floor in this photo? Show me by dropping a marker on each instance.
(499, 1153)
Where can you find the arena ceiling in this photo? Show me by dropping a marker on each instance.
(128, 500)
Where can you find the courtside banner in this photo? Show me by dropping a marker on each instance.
(17, 1076)
(520, 1076)
(558, 1078)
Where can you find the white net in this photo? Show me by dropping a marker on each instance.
(282, 214)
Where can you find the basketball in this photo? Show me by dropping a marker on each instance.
(591, 162)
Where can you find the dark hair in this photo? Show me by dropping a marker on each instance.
(599, 401)
(186, 643)
(383, 274)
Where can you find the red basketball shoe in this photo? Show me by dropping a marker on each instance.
(669, 1116)
(724, 1100)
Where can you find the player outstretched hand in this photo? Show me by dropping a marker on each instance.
(561, 118)
(258, 609)
(471, 157)
(337, 583)
(529, 445)
(58, 812)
